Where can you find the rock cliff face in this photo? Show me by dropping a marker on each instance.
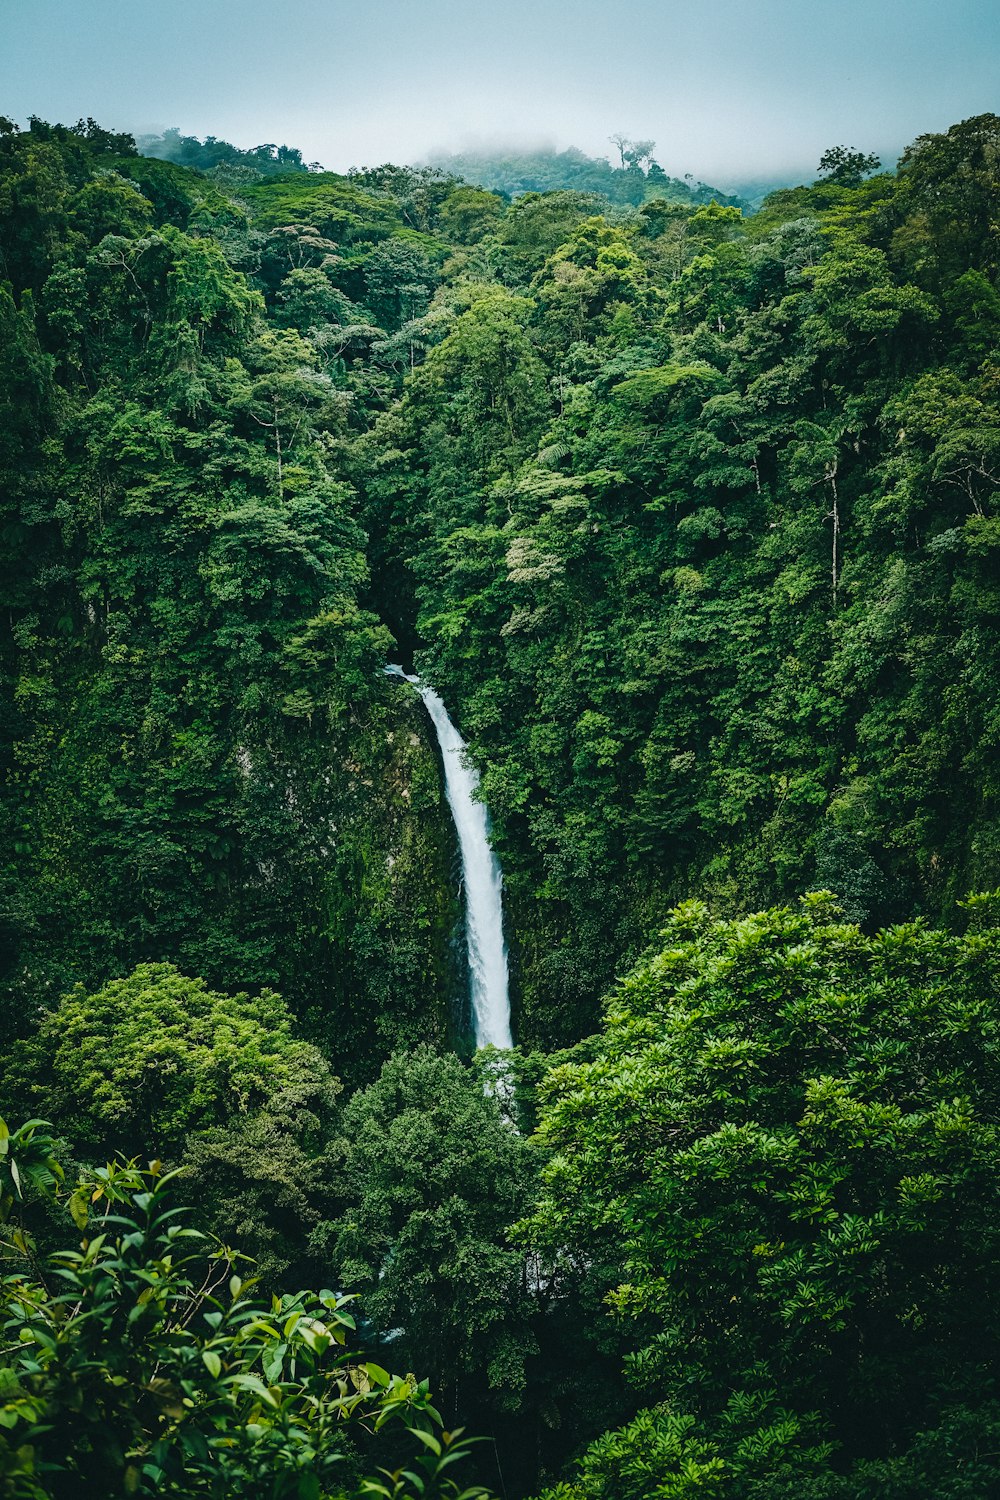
(393, 911)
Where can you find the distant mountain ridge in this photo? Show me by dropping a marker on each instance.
(512, 173)
(639, 177)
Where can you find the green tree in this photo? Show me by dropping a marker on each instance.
(431, 1177)
(846, 167)
(148, 1059)
(948, 184)
(468, 213)
(788, 1132)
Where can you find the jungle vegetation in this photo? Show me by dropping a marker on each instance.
(691, 516)
(636, 177)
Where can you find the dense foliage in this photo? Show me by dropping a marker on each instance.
(637, 177)
(227, 162)
(788, 1138)
(201, 760)
(698, 519)
(691, 517)
(141, 1364)
(155, 1056)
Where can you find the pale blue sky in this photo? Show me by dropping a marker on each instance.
(728, 88)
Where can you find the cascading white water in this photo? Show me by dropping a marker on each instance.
(481, 876)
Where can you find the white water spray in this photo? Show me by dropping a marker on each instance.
(481, 876)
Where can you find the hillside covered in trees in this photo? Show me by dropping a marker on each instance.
(690, 516)
(637, 176)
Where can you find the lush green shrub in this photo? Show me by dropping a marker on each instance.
(140, 1363)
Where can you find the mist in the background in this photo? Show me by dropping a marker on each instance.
(731, 90)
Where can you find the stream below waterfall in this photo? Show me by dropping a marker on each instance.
(482, 878)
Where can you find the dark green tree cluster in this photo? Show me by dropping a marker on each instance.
(769, 1183)
(407, 1192)
(785, 1153)
(201, 760)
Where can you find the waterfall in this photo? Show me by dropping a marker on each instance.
(481, 876)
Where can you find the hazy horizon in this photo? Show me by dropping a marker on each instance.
(731, 91)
